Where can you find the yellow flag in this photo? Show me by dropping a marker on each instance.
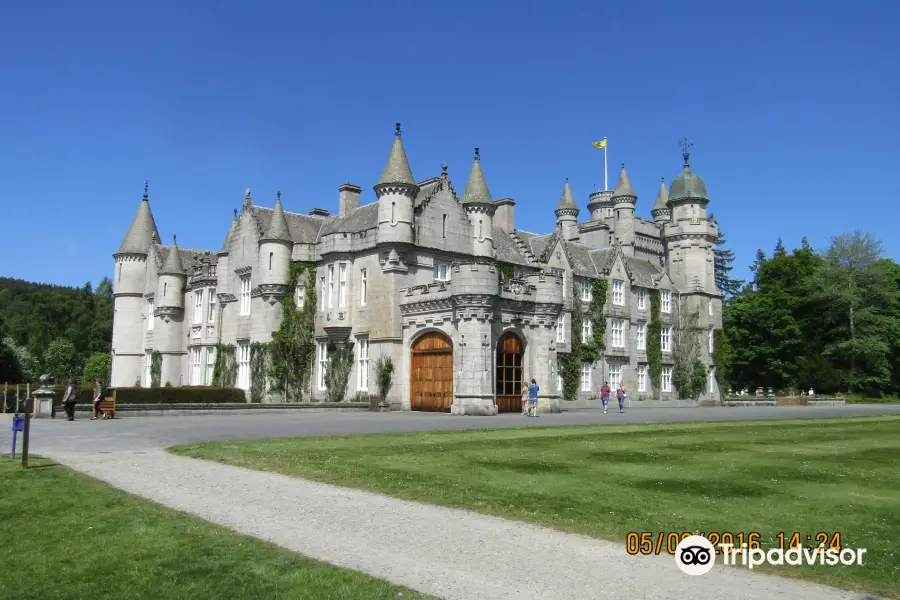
(600, 144)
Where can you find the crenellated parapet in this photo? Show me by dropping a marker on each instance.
(474, 278)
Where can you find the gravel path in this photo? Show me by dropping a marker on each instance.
(449, 553)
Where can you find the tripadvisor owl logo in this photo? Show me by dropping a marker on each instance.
(695, 555)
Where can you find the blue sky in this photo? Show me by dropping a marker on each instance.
(791, 106)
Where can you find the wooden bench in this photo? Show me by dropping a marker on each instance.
(108, 406)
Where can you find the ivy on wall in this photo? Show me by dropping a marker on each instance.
(570, 362)
(722, 359)
(225, 367)
(293, 347)
(260, 366)
(337, 373)
(654, 343)
(155, 368)
(506, 272)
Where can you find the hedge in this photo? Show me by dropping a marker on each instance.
(142, 395)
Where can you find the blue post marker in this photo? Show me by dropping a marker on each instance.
(18, 425)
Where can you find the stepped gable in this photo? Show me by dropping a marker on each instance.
(506, 250)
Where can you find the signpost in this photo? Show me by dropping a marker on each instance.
(18, 425)
(26, 429)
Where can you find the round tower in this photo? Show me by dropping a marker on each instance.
(275, 252)
(129, 304)
(661, 211)
(600, 205)
(480, 209)
(168, 337)
(567, 214)
(396, 191)
(172, 277)
(624, 200)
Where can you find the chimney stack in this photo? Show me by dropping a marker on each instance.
(504, 216)
(349, 198)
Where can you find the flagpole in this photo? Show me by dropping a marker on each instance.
(605, 178)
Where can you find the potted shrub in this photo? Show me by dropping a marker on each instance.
(384, 378)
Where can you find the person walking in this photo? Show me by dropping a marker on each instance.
(533, 398)
(525, 399)
(97, 399)
(604, 395)
(620, 395)
(70, 396)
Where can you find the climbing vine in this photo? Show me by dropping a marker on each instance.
(722, 358)
(654, 342)
(260, 366)
(506, 272)
(225, 367)
(293, 347)
(591, 351)
(155, 368)
(337, 373)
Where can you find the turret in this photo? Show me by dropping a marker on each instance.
(567, 214)
(661, 212)
(131, 308)
(275, 249)
(480, 209)
(172, 277)
(624, 200)
(396, 191)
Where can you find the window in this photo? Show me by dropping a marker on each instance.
(618, 333)
(709, 308)
(362, 364)
(243, 365)
(667, 379)
(198, 306)
(342, 285)
(642, 378)
(322, 293)
(711, 341)
(585, 376)
(444, 227)
(666, 341)
(196, 371)
(615, 376)
(322, 354)
(561, 329)
(586, 291)
(119, 274)
(618, 292)
(300, 296)
(641, 336)
(271, 255)
(480, 232)
(211, 305)
(330, 286)
(245, 295)
(393, 206)
(165, 289)
(666, 297)
(586, 328)
(148, 361)
(642, 299)
(210, 364)
(441, 271)
(363, 287)
(151, 308)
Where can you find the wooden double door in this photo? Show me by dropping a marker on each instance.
(508, 382)
(431, 373)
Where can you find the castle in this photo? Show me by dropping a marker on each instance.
(467, 306)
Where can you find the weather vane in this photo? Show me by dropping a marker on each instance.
(686, 151)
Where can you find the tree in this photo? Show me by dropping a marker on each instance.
(686, 349)
(779, 248)
(10, 370)
(758, 262)
(28, 363)
(97, 366)
(723, 258)
(337, 373)
(384, 375)
(61, 359)
(848, 259)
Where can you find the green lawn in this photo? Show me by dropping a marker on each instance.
(67, 536)
(831, 475)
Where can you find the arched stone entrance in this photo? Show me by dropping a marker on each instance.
(431, 373)
(508, 382)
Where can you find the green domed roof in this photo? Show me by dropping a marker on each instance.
(687, 185)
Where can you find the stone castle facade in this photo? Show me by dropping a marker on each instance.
(466, 305)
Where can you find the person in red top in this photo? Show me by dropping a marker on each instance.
(604, 395)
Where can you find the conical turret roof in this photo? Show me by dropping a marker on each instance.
(226, 244)
(662, 197)
(140, 234)
(623, 188)
(476, 188)
(278, 225)
(397, 168)
(567, 201)
(173, 265)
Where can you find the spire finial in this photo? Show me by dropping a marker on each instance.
(686, 151)
(567, 180)
(235, 214)
(477, 155)
(278, 195)
(397, 132)
(444, 170)
(174, 239)
(247, 197)
(146, 189)
(623, 165)
(663, 179)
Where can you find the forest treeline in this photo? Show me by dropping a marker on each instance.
(827, 320)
